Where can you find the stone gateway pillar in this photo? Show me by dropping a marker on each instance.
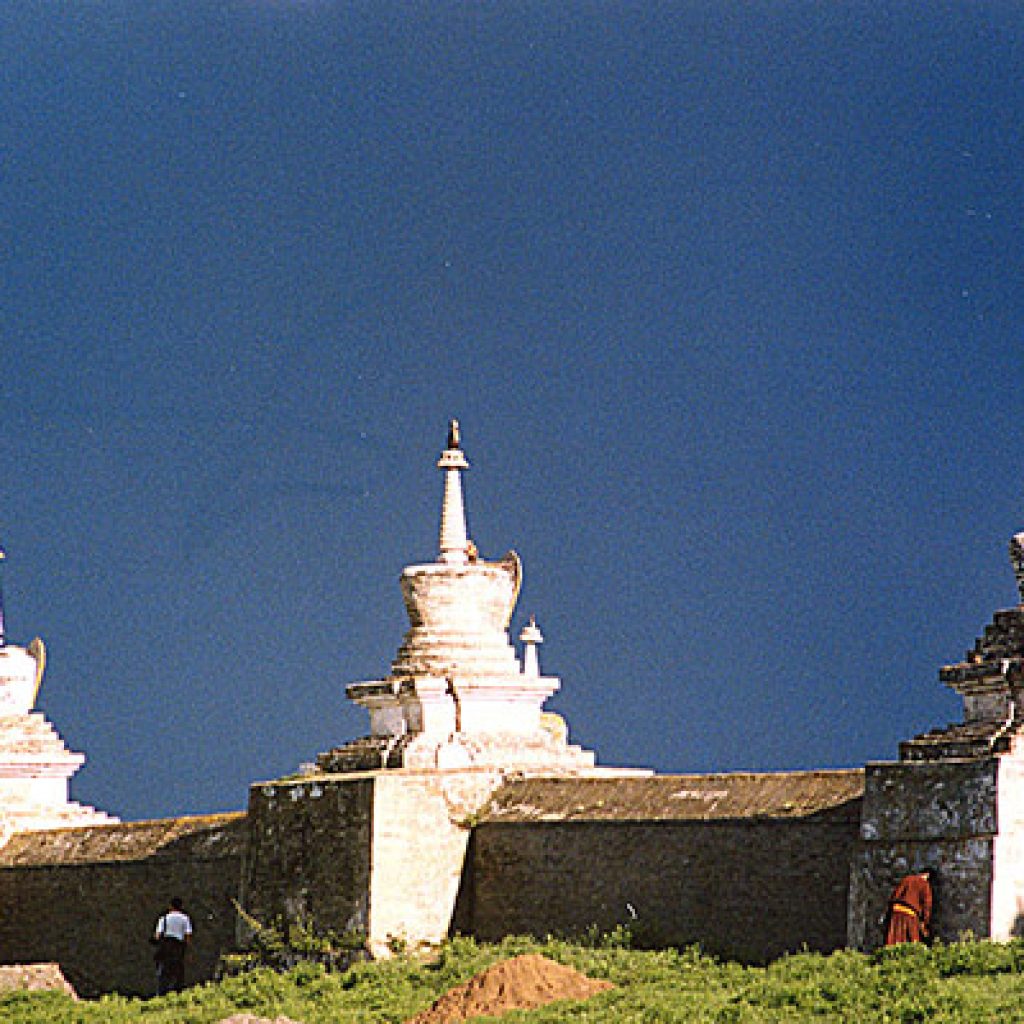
(955, 801)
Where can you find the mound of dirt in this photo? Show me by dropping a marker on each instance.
(522, 983)
(34, 976)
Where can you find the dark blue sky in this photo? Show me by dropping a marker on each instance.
(727, 297)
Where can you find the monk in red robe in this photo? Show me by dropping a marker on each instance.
(910, 909)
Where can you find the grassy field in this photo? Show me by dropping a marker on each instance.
(965, 982)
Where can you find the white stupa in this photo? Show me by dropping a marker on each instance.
(35, 765)
(457, 695)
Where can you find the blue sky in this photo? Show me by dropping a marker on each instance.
(727, 298)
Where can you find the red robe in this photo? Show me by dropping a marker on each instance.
(910, 911)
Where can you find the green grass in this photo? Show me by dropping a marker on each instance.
(964, 982)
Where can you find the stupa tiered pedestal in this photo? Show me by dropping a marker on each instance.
(457, 695)
(35, 765)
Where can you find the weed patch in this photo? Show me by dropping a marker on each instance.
(948, 984)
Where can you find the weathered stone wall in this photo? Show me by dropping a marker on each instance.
(308, 852)
(88, 898)
(750, 866)
(699, 861)
(940, 814)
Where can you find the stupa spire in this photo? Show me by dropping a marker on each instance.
(3, 628)
(1017, 561)
(454, 539)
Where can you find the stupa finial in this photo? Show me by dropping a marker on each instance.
(3, 628)
(454, 539)
(1017, 560)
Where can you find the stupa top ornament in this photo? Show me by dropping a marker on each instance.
(3, 628)
(455, 544)
(990, 679)
(21, 668)
(1017, 560)
(457, 695)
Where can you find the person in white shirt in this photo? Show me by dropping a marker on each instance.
(172, 936)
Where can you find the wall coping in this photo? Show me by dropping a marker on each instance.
(715, 797)
(207, 836)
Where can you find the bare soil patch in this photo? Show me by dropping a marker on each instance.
(522, 983)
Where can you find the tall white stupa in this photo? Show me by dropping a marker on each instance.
(35, 765)
(457, 696)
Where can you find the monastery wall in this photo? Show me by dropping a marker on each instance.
(749, 866)
(89, 897)
(748, 890)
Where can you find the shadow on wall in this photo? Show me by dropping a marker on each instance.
(463, 911)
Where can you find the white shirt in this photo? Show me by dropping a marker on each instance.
(175, 925)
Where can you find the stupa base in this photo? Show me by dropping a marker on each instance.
(538, 753)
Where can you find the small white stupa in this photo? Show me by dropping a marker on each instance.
(35, 765)
(457, 696)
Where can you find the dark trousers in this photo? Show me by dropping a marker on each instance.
(170, 966)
